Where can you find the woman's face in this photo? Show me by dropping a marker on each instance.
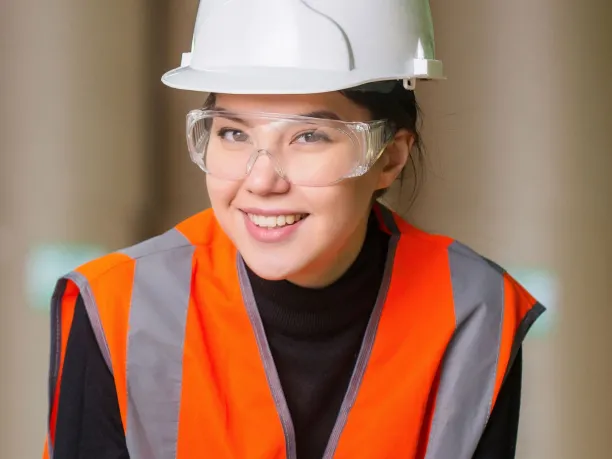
(329, 222)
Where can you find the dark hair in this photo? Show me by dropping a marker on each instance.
(400, 107)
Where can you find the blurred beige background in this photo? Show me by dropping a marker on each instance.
(519, 139)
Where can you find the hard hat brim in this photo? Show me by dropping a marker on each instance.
(280, 80)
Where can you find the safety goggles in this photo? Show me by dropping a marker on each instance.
(304, 150)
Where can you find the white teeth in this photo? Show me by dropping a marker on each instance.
(266, 221)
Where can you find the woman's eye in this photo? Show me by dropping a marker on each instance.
(232, 135)
(312, 137)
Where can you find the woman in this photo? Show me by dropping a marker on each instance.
(298, 317)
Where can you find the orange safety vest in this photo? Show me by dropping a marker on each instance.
(178, 326)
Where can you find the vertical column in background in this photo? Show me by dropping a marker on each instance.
(186, 183)
(584, 226)
(519, 168)
(72, 153)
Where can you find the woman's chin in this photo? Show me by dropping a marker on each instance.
(270, 271)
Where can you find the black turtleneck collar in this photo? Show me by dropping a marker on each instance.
(302, 312)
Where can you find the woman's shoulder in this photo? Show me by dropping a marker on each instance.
(199, 230)
(152, 270)
(469, 269)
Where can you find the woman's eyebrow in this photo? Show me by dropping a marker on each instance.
(228, 114)
(321, 114)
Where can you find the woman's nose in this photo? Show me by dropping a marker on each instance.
(264, 175)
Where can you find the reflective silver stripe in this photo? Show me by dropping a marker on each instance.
(469, 367)
(56, 337)
(368, 340)
(521, 332)
(91, 307)
(56, 332)
(55, 352)
(266, 356)
(171, 239)
(158, 315)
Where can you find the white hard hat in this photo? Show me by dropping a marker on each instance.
(306, 46)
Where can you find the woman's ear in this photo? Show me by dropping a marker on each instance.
(395, 157)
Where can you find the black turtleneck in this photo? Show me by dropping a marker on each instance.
(314, 336)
